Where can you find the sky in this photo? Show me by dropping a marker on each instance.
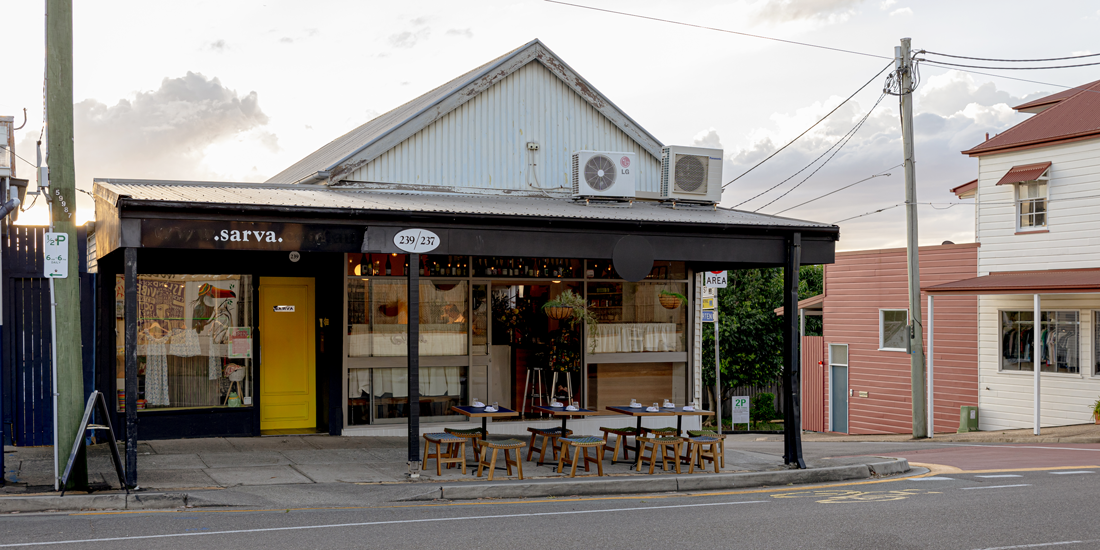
(238, 91)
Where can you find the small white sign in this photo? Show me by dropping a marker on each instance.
(709, 316)
(284, 309)
(416, 240)
(55, 253)
(714, 279)
(740, 408)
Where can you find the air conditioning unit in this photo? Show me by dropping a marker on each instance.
(691, 174)
(603, 174)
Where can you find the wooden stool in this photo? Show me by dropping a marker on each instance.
(581, 442)
(473, 435)
(698, 453)
(663, 445)
(621, 434)
(721, 441)
(549, 435)
(507, 445)
(454, 444)
(661, 432)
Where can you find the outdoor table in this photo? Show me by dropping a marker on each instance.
(479, 412)
(639, 412)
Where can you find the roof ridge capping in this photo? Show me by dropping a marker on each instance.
(380, 134)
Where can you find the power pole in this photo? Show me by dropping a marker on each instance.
(903, 64)
(59, 108)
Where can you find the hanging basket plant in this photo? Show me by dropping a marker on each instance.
(558, 312)
(671, 300)
(568, 305)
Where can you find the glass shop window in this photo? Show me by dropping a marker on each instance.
(378, 317)
(194, 343)
(1058, 349)
(386, 390)
(637, 317)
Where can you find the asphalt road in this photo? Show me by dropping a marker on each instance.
(963, 510)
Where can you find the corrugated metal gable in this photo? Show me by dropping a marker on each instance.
(482, 143)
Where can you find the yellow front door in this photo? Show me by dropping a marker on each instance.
(288, 377)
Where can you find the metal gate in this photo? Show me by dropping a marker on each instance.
(27, 412)
(813, 383)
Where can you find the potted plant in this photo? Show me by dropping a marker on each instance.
(1096, 411)
(568, 305)
(671, 300)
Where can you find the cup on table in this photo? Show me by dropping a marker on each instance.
(633, 402)
(576, 405)
(495, 406)
(656, 406)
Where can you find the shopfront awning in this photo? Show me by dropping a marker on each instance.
(1025, 172)
(814, 305)
(1065, 281)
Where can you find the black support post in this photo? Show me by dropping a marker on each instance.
(792, 423)
(130, 326)
(414, 362)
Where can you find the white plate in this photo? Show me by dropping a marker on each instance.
(652, 409)
(638, 406)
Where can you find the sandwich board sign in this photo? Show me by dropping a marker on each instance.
(714, 279)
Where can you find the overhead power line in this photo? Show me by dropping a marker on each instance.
(1014, 60)
(936, 64)
(869, 213)
(987, 67)
(838, 146)
(807, 44)
(819, 197)
(777, 151)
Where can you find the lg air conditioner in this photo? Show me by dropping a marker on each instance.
(603, 174)
(691, 174)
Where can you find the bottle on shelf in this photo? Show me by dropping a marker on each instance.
(389, 270)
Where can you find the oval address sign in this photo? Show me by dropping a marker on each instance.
(416, 240)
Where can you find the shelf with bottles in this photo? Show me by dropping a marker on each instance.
(534, 268)
(378, 265)
(444, 266)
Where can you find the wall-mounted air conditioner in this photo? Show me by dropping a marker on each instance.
(691, 174)
(603, 174)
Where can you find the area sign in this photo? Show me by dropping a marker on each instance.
(714, 279)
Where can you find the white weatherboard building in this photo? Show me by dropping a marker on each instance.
(1038, 195)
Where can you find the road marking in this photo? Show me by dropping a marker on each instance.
(935, 478)
(1041, 544)
(1073, 472)
(372, 523)
(995, 487)
(944, 469)
(1007, 475)
(1022, 447)
(833, 496)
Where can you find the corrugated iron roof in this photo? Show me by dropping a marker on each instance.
(348, 145)
(1051, 99)
(1066, 281)
(963, 191)
(280, 196)
(1024, 172)
(1076, 116)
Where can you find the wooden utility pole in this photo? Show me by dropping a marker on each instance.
(903, 64)
(59, 110)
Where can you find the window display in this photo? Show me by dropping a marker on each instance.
(194, 343)
(378, 317)
(637, 317)
(1058, 347)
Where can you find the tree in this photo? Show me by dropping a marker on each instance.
(750, 331)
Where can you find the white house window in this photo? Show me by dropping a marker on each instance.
(1031, 205)
(1059, 346)
(892, 331)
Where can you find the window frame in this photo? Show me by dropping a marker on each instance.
(1043, 371)
(1019, 202)
(882, 329)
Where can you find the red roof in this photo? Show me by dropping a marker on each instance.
(1050, 100)
(1024, 172)
(966, 188)
(1075, 115)
(1065, 281)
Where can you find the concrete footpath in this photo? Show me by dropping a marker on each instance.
(320, 470)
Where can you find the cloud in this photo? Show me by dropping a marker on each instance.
(465, 33)
(165, 133)
(708, 138)
(286, 40)
(408, 39)
(782, 11)
(952, 114)
(902, 11)
(218, 45)
(885, 4)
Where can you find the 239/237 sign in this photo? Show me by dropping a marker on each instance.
(416, 240)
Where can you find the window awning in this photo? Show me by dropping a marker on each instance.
(1026, 172)
(1067, 281)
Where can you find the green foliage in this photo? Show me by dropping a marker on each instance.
(1096, 409)
(580, 310)
(763, 408)
(750, 331)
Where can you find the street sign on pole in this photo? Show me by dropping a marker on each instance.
(709, 316)
(55, 252)
(714, 279)
(740, 408)
(708, 304)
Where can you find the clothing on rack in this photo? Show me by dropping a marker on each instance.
(185, 343)
(156, 370)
